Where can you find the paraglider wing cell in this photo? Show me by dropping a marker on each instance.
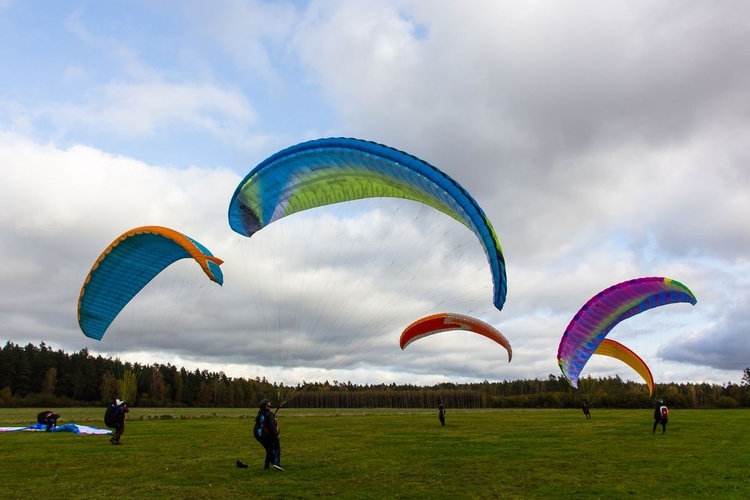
(614, 349)
(605, 310)
(129, 264)
(327, 171)
(443, 322)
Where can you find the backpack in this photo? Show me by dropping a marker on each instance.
(260, 432)
(110, 415)
(664, 412)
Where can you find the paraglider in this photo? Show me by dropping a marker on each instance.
(605, 310)
(616, 350)
(127, 265)
(443, 322)
(335, 170)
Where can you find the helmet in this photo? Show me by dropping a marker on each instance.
(264, 403)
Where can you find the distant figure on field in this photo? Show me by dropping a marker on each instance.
(266, 432)
(441, 413)
(114, 418)
(661, 416)
(585, 408)
(48, 418)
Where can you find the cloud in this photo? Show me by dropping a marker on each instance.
(321, 291)
(603, 142)
(251, 34)
(529, 92)
(65, 206)
(125, 96)
(141, 109)
(723, 345)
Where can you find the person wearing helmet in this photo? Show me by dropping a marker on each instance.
(266, 432)
(661, 416)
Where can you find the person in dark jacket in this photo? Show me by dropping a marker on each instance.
(441, 413)
(48, 418)
(661, 416)
(586, 409)
(266, 432)
(114, 418)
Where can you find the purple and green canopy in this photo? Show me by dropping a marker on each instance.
(605, 310)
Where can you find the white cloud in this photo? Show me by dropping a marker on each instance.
(145, 109)
(604, 142)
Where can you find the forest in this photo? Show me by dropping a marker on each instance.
(37, 376)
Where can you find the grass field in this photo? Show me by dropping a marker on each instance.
(190, 453)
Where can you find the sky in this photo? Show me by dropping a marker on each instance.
(605, 141)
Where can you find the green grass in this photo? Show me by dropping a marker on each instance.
(190, 453)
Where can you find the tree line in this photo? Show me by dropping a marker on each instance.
(38, 376)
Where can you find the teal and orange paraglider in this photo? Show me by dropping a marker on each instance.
(335, 170)
(605, 310)
(129, 264)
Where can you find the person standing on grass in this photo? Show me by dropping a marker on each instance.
(266, 432)
(441, 413)
(585, 408)
(661, 416)
(114, 418)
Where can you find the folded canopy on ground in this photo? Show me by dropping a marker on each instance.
(74, 428)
